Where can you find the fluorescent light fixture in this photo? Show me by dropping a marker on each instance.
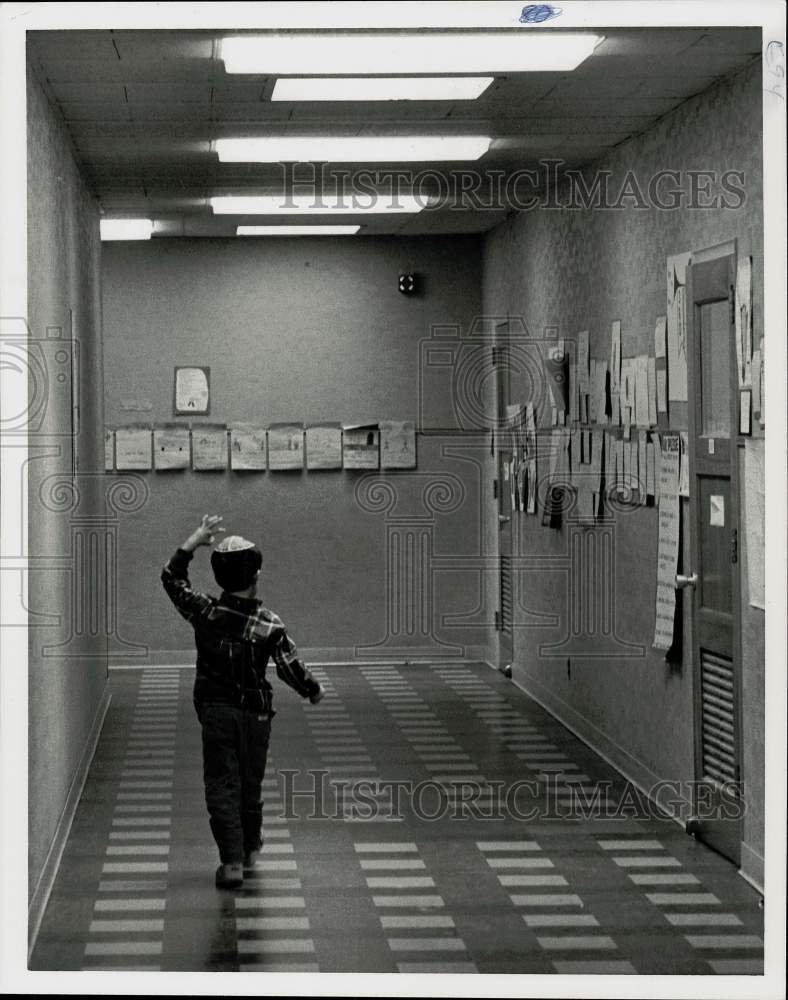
(296, 230)
(381, 88)
(315, 204)
(126, 229)
(323, 54)
(352, 148)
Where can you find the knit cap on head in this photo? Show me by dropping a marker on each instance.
(234, 543)
(235, 562)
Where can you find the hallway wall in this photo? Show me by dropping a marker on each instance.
(578, 269)
(292, 329)
(67, 667)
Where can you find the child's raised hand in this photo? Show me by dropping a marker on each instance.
(210, 526)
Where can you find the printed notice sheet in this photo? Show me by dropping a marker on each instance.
(324, 446)
(361, 446)
(677, 326)
(397, 444)
(209, 447)
(171, 447)
(133, 448)
(285, 447)
(247, 448)
(192, 390)
(668, 546)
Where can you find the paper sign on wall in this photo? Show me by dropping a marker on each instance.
(684, 484)
(398, 444)
(668, 545)
(171, 447)
(361, 446)
(209, 447)
(247, 448)
(324, 446)
(661, 364)
(717, 510)
(133, 448)
(677, 326)
(285, 447)
(192, 390)
(743, 323)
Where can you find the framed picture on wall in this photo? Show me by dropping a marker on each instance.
(192, 391)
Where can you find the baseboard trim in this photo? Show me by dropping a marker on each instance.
(751, 868)
(628, 766)
(46, 880)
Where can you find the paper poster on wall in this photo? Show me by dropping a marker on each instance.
(109, 449)
(247, 448)
(615, 372)
(133, 448)
(209, 447)
(582, 362)
(641, 391)
(361, 446)
(398, 443)
(192, 392)
(627, 390)
(642, 465)
(743, 322)
(756, 385)
(652, 392)
(557, 367)
(650, 469)
(285, 447)
(323, 446)
(754, 520)
(684, 483)
(668, 544)
(661, 363)
(677, 326)
(171, 447)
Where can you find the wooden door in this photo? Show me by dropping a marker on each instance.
(714, 527)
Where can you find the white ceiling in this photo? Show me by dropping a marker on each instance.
(143, 106)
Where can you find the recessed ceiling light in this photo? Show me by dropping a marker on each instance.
(381, 88)
(296, 230)
(324, 54)
(126, 229)
(352, 149)
(316, 204)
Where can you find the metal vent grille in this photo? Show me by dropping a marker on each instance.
(718, 718)
(506, 595)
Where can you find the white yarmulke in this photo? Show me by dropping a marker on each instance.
(234, 543)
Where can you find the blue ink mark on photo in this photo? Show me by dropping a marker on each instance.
(535, 13)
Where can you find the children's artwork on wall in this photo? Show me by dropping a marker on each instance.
(285, 447)
(361, 446)
(397, 444)
(247, 448)
(209, 447)
(133, 448)
(324, 446)
(171, 447)
(192, 394)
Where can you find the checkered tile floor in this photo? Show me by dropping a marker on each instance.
(420, 819)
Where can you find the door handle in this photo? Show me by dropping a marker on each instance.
(503, 519)
(686, 581)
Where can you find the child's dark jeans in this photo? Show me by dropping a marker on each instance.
(234, 749)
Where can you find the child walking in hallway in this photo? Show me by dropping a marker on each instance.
(235, 636)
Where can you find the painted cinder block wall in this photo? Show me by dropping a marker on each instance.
(292, 329)
(581, 269)
(67, 671)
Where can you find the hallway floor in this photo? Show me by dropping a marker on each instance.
(441, 881)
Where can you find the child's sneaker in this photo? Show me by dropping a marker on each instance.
(230, 876)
